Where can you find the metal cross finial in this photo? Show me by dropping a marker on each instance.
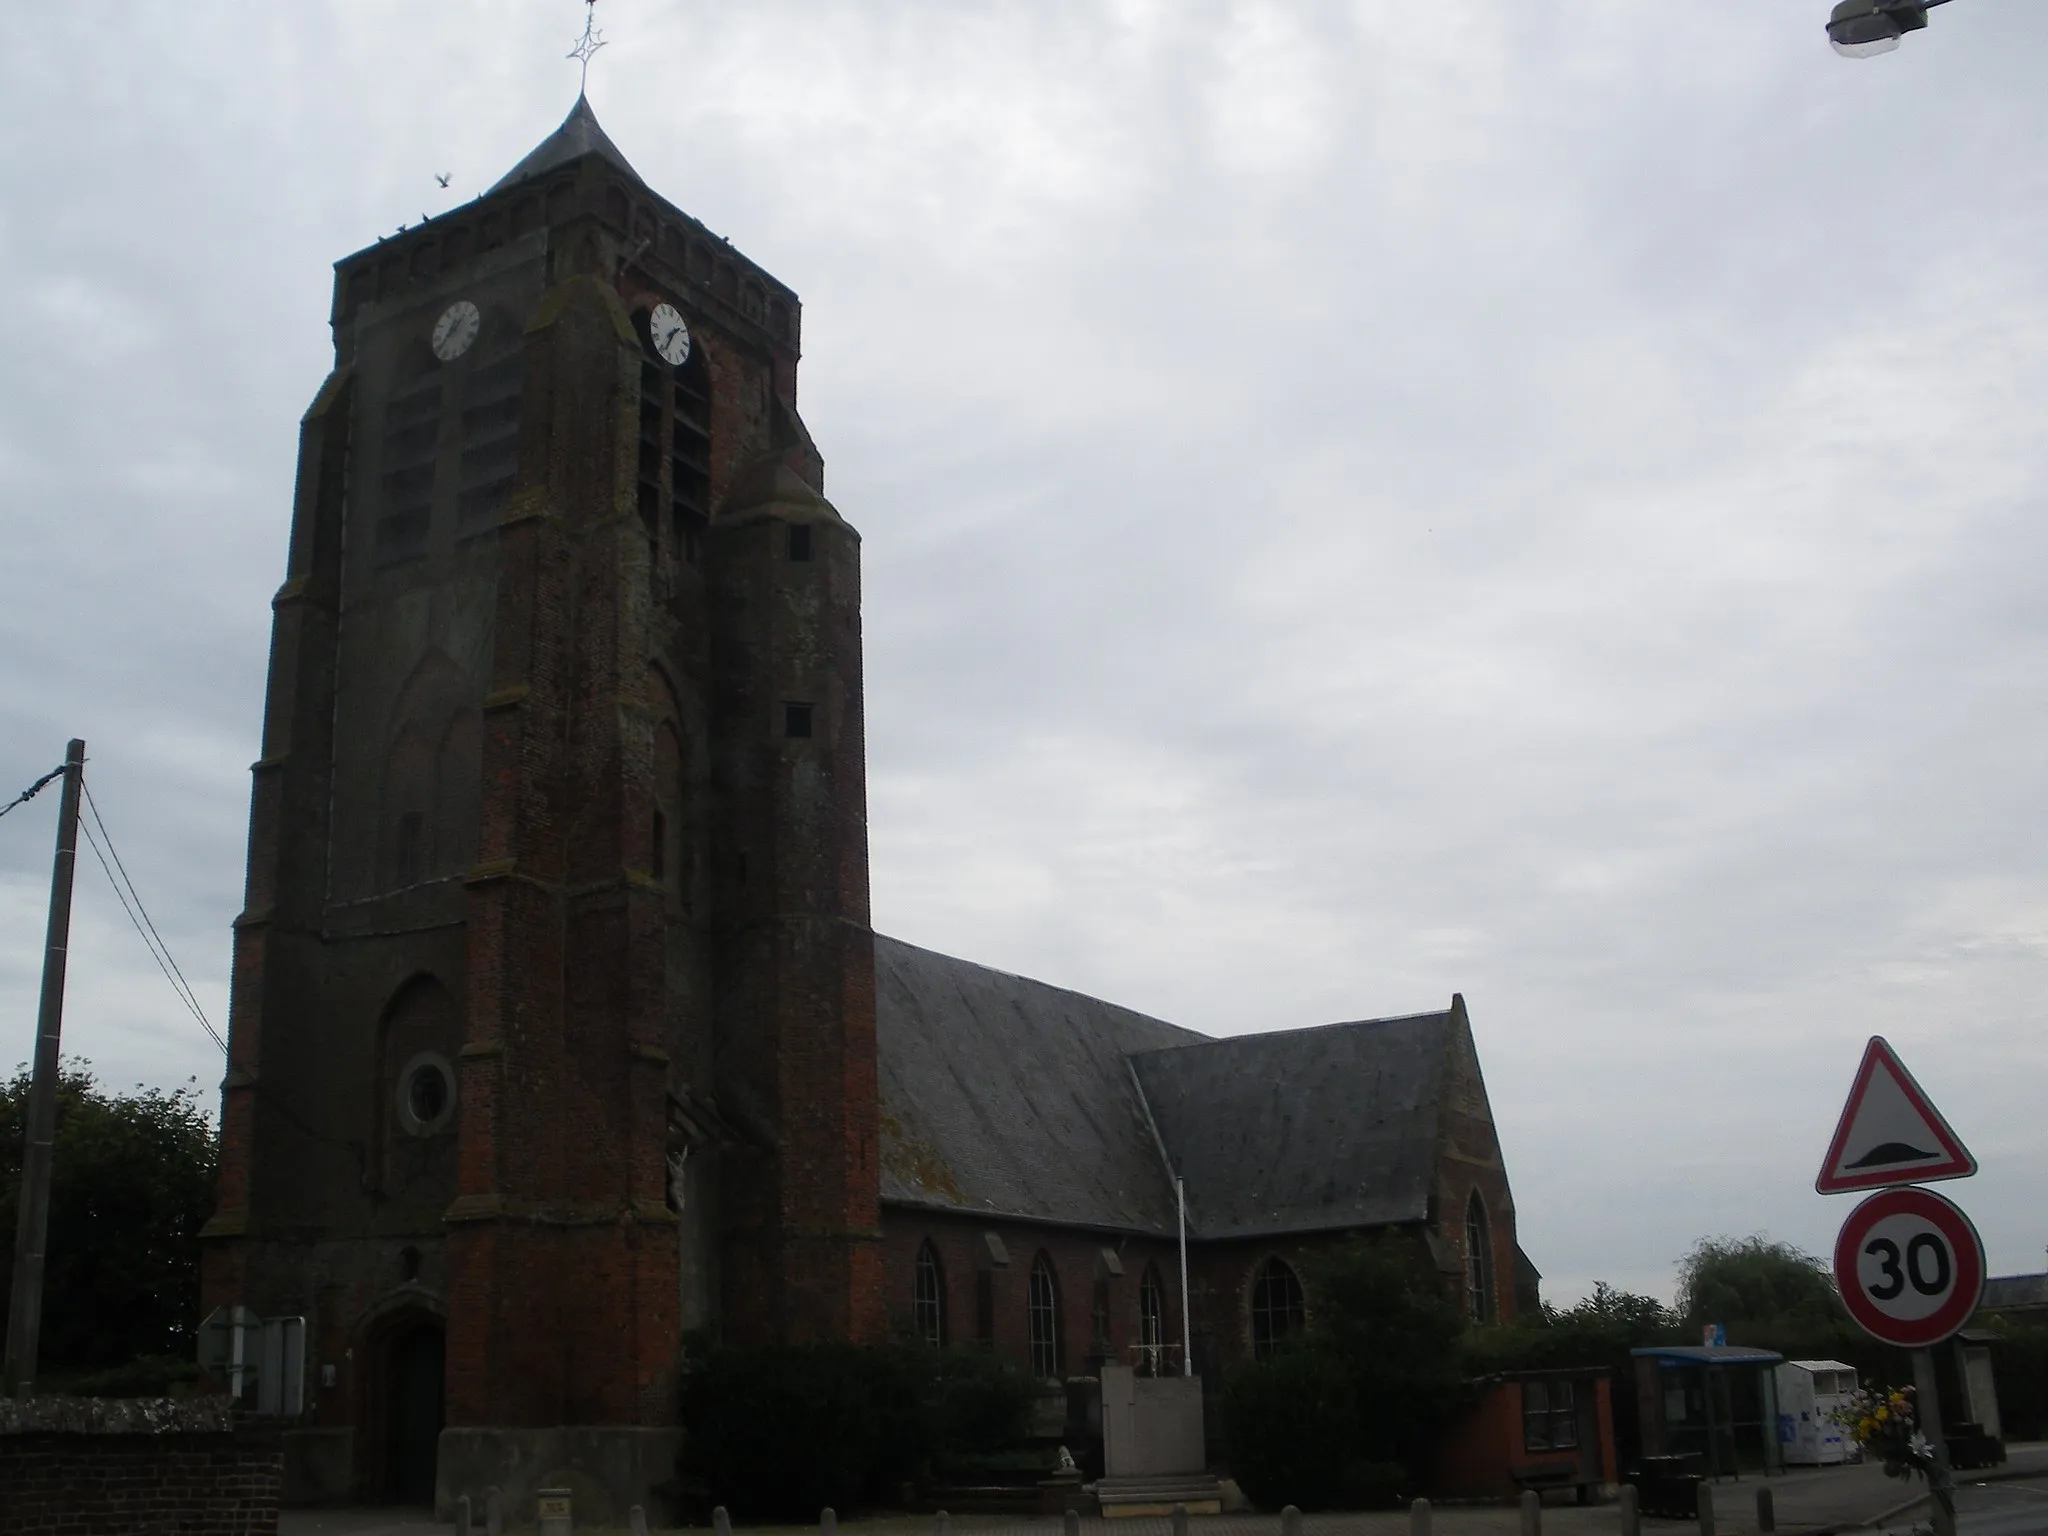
(588, 44)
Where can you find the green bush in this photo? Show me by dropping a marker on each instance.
(1293, 1429)
(1382, 1313)
(973, 1404)
(144, 1376)
(781, 1431)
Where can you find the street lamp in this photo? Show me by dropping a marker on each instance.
(1862, 29)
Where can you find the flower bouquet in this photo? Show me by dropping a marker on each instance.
(1883, 1423)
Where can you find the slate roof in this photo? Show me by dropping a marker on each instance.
(1303, 1130)
(2005, 1291)
(578, 136)
(1005, 1096)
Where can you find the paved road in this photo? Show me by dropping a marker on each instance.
(1827, 1498)
(2017, 1507)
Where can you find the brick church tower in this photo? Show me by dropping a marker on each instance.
(553, 1007)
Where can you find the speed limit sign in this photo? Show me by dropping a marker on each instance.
(1910, 1267)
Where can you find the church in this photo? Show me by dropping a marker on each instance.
(560, 1033)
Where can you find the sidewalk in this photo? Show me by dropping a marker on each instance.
(1809, 1501)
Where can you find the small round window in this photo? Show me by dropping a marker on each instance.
(426, 1094)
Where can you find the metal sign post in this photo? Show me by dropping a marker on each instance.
(1909, 1264)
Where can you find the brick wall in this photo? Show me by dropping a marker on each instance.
(87, 1467)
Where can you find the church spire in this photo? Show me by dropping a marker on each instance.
(578, 136)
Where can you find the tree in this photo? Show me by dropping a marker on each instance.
(1292, 1425)
(1388, 1319)
(1756, 1280)
(132, 1183)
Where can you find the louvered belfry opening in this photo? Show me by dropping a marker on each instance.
(674, 460)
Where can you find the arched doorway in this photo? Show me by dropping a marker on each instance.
(405, 1409)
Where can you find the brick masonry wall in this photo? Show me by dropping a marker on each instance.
(1220, 1281)
(135, 1470)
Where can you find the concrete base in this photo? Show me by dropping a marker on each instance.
(319, 1466)
(607, 1468)
(1122, 1497)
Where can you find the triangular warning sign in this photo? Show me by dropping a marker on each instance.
(1890, 1133)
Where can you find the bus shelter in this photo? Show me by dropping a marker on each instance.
(1714, 1402)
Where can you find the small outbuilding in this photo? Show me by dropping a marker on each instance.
(1716, 1402)
(1531, 1429)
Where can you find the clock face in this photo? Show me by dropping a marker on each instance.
(670, 336)
(455, 330)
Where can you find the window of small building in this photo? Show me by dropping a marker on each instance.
(927, 1298)
(1151, 1324)
(1043, 1317)
(1278, 1309)
(1478, 1261)
(1550, 1419)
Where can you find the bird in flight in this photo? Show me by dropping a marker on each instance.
(442, 177)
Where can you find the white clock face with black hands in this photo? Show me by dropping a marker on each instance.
(455, 330)
(670, 336)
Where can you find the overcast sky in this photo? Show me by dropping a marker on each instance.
(1542, 501)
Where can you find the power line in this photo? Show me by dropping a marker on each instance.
(191, 1005)
(139, 916)
(33, 790)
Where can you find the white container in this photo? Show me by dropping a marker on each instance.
(1809, 1393)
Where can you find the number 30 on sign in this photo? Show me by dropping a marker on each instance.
(1910, 1266)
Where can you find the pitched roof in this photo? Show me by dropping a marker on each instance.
(1305, 1129)
(2003, 1291)
(1005, 1096)
(578, 136)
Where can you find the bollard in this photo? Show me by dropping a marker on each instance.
(1706, 1509)
(1631, 1511)
(828, 1522)
(1532, 1512)
(1766, 1512)
(942, 1524)
(721, 1522)
(494, 1512)
(1418, 1517)
(462, 1515)
(1070, 1523)
(636, 1521)
(1180, 1520)
(1290, 1521)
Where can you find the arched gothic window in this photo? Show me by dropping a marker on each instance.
(1478, 1261)
(927, 1298)
(1278, 1310)
(1043, 1316)
(1151, 1324)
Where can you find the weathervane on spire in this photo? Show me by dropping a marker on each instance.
(588, 44)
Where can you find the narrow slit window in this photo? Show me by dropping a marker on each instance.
(1278, 1308)
(796, 721)
(411, 834)
(927, 1306)
(658, 855)
(1151, 1324)
(1043, 1317)
(1478, 1262)
(799, 541)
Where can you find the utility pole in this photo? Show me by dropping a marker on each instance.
(31, 1233)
